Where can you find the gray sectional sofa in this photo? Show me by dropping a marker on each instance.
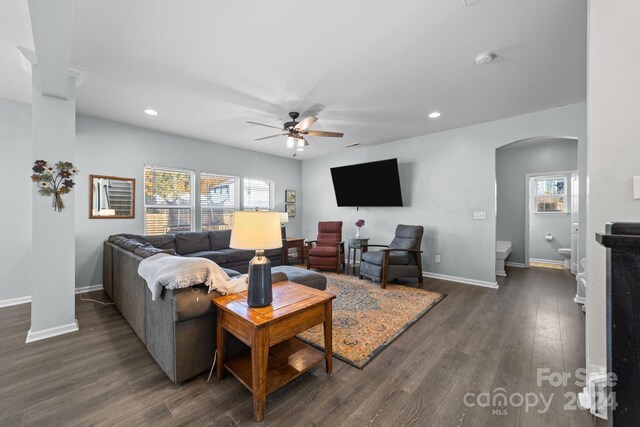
(179, 329)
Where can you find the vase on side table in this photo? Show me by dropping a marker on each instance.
(357, 232)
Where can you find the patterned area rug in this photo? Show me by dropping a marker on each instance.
(366, 318)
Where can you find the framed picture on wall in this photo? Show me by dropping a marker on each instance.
(290, 196)
(291, 210)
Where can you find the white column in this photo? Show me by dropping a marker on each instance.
(613, 102)
(53, 250)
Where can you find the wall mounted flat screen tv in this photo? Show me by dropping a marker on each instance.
(368, 184)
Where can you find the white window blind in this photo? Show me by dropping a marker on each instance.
(218, 200)
(168, 200)
(257, 194)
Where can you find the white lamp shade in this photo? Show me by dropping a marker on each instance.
(284, 217)
(256, 230)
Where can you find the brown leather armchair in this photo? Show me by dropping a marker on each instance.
(327, 252)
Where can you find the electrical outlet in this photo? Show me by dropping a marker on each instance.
(479, 215)
(438, 259)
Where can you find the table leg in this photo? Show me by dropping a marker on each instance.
(328, 337)
(221, 335)
(259, 360)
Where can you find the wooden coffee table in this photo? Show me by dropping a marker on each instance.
(276, 357)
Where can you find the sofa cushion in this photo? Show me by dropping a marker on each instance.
(129, 244)
(215, 256)
(147, 250)
(162, 241)
(376, 257)
(219, 239)
(236, 255)
(189, 242)
(271, 253)
(230, 272)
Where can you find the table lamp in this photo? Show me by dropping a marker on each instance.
(257, 231)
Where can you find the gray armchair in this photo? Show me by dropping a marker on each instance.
(401, 258)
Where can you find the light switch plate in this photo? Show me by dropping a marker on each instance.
(480, 215)
(636, 187)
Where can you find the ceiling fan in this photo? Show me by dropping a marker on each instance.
(296, 131)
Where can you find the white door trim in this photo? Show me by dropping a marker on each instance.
(527, 195)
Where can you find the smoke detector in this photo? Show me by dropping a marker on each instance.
(485, 58)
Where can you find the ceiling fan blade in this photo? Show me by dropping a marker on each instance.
(306, 123)
(323, 133)
(267, 137)
(265, 125)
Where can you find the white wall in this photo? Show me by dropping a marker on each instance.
(445, 177)
(614, 145)
(15, 192)
(105, 147)
(513, 163)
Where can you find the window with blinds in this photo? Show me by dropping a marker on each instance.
(218, 200)
(257, 194)
(168, 200)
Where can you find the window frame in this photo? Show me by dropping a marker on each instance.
(191, 206)
(272, 192)
(237, 189)
(534, 194)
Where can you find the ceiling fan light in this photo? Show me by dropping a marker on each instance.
(291, 142)
(300, 149)
(300, 144)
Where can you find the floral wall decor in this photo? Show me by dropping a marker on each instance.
(54, 180)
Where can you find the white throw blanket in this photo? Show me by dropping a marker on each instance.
(173, 272)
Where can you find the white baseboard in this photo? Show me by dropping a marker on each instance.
(515, 264)
(546, 261)
(51, 332)
(27, 299)
(91, 288)
(492, 285)
(15, 301)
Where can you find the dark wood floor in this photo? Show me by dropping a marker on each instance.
(474, 341)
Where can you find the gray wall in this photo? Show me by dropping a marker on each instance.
(559, 226)
(445, 177)
(512, 164)
(16, 193)
(105, 147)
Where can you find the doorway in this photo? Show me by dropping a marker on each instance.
(520, 222)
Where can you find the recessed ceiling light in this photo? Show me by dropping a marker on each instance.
(485, 58)
(151, 112)
(434, 115)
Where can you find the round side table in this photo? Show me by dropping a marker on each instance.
(356, 243)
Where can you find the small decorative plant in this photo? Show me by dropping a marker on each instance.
(359, 223)
(54, 180)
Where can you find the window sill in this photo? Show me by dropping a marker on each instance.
(551, 213)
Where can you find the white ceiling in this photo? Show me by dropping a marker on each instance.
(372, 70)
